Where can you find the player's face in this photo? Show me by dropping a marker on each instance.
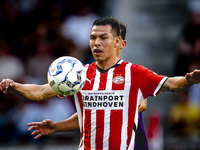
(102, 43)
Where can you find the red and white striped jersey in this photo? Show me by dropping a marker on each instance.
(108, 105)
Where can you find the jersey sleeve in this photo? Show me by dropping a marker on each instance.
(149, 82)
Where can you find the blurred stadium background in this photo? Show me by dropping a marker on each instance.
(35, 32)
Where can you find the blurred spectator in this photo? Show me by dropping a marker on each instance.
(7, 126)
(10, 65)
(193, 92)
(155, 131)
(30, 39)
(29, 111)
(38, 64)
(184, 118)
(189, 39)
(76, 24)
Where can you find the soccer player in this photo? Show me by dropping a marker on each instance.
(47, 126)
(113, 91)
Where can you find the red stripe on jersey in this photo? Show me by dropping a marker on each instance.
(115, 129)
(103, 81)
(118, 78)
(99, 128)
(87, 129)
(91, 73)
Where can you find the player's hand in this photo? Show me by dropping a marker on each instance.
(45, 127)
(193, 77)
(61, 96)
(5, 84)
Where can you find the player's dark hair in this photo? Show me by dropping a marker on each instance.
(113, 22)
(123, 28)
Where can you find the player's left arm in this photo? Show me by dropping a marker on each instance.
(47, 126)
(143, 106)
(179, 84)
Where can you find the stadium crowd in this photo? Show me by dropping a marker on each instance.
(32, 34)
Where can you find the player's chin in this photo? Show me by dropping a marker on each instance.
(98, 58)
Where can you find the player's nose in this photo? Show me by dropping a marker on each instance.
(97, 42)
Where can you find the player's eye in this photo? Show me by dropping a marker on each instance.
(92, 38)
(103, 38)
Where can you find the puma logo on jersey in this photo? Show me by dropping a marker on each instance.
(89, 80)
(118, 80)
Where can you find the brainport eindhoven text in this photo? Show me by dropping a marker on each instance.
(103, 100)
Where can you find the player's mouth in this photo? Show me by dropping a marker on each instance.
(98, 51)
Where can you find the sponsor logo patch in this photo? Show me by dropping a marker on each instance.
(118, 80)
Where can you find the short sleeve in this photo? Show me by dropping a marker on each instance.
(149, 82)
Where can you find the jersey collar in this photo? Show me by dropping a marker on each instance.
(104, 71)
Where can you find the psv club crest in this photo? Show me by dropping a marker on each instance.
(118, 80)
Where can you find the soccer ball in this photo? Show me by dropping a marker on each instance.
(66, 75)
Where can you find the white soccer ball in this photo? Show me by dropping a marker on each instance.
(66, 75)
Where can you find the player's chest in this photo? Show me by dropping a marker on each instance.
(111, 80)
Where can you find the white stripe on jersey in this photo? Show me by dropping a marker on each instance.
(96, 81)
(78, 109)
(93, 129)
(139, 99)
(93, 113)
(124, 133)
(82, 139)
(159, 86)
(106, 128)
(81, 118)
(109, 80)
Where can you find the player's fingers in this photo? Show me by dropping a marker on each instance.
(6, 82)
(33, 128)
(1, 89)
(4, 85)
(38, 136)
(12, 84)
(34, 123)
(35, 132)
(196, 72)
(61, 96)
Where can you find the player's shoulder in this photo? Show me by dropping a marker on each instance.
(133, 66)
(136, 67)
(90, 66)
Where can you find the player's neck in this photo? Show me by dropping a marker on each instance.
(107, 63)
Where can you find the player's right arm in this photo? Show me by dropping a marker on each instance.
(29, 91)
(47, 126)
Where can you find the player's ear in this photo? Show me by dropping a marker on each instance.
(117, 41)
(123, 45)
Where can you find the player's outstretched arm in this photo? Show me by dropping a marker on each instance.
(179, 84)
(29, 91)
(47, 126)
